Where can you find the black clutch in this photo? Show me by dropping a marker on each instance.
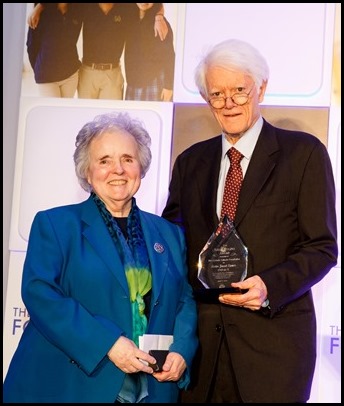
(160, 356)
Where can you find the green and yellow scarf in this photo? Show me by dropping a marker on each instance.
(134, 255)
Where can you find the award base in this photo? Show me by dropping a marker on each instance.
(212, 295)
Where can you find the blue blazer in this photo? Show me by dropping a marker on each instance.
(75, 290)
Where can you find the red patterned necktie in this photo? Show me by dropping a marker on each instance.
(233, 184)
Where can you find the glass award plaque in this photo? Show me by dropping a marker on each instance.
(223, 260)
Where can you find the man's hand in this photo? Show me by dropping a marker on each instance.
(253, 299)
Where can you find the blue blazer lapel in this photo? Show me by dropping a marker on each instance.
(96, 233)
(157, 251)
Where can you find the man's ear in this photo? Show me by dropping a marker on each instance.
(262, 90)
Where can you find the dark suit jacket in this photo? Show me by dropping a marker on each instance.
(76, 292)
(286, 218)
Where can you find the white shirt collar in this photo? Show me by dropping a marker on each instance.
(246, 143)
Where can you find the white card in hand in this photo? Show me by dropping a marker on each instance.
(155, 342)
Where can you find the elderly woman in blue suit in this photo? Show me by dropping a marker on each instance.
(97, 276)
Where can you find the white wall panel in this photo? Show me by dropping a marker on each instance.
(326, 386)
(295, 38)
(44, 172)
(16, 315)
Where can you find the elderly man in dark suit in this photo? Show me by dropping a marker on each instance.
(258, 346)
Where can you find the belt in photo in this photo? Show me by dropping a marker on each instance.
(101, 66)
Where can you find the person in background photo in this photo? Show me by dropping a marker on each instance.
(258, 346)
(98, 275)
(103, 40)
(52, 50)
(154, 80)
(105, 26)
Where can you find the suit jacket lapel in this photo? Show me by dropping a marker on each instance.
(207, 179)
(262, 163)
(96, 233)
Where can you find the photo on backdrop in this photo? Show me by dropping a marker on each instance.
(94, 50)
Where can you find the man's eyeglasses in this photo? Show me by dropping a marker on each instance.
(237, 98)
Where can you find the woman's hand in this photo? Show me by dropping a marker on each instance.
(160, 27)
(128, 357)
(34, 16)
(172, 369)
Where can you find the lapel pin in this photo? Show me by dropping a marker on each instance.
(159, 248)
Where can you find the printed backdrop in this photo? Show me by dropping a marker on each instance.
(302, 45)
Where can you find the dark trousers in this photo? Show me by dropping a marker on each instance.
(224, 388)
